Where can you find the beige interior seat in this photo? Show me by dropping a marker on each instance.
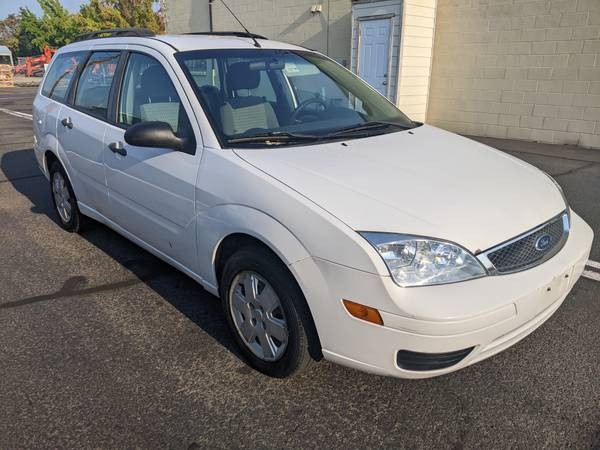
(157, 99)
(244, 112)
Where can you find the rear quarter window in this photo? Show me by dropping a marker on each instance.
(59, 78)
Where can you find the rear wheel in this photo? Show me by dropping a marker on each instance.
(64, 200)
(266, 312)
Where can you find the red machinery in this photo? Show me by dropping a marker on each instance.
(34, 65)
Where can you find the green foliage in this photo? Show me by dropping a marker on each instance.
(56, 27)
(9, 32)
(138, 13)
(97, 16)
(26, 34)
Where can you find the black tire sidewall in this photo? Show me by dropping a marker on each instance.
(296, 355)
(72, 225)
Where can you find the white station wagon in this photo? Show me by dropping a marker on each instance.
(329, 223)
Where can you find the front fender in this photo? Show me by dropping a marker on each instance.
(218, 222)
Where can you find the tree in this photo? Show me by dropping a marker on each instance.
(139, 13)
(29, 23)
(102, 14)
(98, 16)
(55, 28)
(9, 32)
(26, 34)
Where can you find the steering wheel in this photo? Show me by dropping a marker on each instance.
(302, 106)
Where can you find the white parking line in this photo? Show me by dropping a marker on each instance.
(14, 97)
(594, 264)
(22, 115)
(591, 274)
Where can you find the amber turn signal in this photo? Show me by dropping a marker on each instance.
(363, 312)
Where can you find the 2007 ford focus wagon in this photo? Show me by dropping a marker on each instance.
(328, 222)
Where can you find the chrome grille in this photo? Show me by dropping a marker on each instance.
(527, 250)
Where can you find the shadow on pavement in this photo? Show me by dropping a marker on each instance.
(20, 169)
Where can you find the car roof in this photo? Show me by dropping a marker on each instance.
(184, 42)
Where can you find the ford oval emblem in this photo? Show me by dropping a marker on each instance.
(543, 242)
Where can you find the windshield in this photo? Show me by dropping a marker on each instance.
(257, 97)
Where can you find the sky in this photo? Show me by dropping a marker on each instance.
(8, 6)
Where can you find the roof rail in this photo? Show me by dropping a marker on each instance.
(229, 33)
(115, 32)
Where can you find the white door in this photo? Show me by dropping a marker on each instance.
(81, 127)
(374, 50)
(151, 190)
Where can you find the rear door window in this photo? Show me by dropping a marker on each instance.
(93, 88)
(62, 71)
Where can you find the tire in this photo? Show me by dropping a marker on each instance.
(288, 359)
(67, 212)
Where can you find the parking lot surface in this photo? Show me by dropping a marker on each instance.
(103, 345)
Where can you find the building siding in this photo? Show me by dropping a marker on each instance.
(416, 57)
(292, 21)
(186, 16)
(526, 70)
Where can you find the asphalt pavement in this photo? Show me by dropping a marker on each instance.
(103, 345)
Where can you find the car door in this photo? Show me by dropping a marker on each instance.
(151, 190)
(54, 92)
(81, 127)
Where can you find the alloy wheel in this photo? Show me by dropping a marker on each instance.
(62, 197)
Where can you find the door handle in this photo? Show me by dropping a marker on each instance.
(67, 123)
(117, 147)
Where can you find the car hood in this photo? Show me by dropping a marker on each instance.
(425, 182)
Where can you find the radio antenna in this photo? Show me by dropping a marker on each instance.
(251, 35)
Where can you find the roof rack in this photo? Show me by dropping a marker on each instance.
(114, 32)
(229, 33)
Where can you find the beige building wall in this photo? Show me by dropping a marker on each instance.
(517, 69)
(416, 57)
(185, 16)
(328, 31)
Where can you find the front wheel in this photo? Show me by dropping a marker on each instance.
(266, 312)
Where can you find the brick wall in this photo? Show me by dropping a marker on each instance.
(518, 69)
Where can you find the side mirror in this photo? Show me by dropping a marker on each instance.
(154, 134)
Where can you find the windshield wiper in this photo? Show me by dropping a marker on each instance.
(274, 138)
(365, 126)
(283, 137)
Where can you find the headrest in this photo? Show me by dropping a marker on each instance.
(240, 76)
(155, 79)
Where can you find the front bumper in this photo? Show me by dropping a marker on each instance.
(489, 314)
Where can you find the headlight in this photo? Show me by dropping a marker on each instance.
(417, 261)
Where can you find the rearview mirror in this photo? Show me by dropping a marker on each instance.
(154, 134)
